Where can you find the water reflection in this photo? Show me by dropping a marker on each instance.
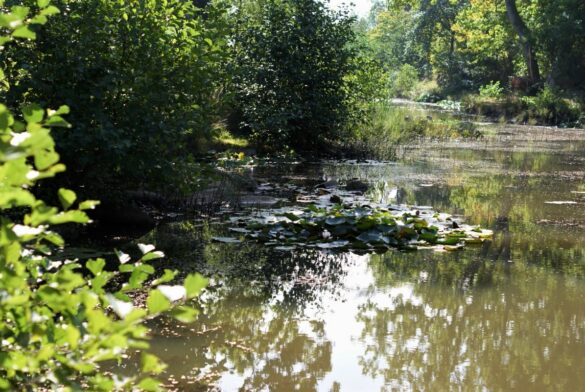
(507, 315)
(524, 331)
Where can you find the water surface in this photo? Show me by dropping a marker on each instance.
(506, 315)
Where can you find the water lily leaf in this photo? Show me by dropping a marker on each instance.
(291, 216)
(285, 248)
(370, 237)
(333, 245)
(366, 224)
(239, 230)
(226, 240)
(450, 241)
(406, 232)
(453, 247)
(335, 221)
(363, 229)
(428, 237)
(341, 230)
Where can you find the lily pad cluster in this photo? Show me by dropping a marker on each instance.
(364, 228)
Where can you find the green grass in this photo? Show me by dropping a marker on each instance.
(392, 126)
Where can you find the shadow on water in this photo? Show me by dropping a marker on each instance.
(506, 315)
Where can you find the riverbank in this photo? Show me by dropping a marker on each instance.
(546, 108)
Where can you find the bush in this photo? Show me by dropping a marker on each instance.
(293, 58)
(427, 91)
(549, 107)
(491, 90)
(403, 81)
(140, 78)
(61, 319)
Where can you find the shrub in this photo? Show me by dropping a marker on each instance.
(491, 90)
(427, 91)
(292, 59)
(549, 107)
(404, 81)
(140, 78)
(61, 319)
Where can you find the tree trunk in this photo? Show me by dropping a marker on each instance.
(525, 40)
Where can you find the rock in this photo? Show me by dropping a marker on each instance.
(356, 185)
(327, 185)
(335, 199)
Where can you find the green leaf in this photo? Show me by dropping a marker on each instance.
(149, 385)
(123, 258)
(67, 198)
(185, 314)
(88, 205)
(46, 159)
(146, 248)
(43, 3)
(151, 364)
(24, 32)
(167, 277)
(33, 113)
(157, 302)
(50, 10)
(194, 284)
(69, 217)
(153, 256)
(57, 122)
(96, 266)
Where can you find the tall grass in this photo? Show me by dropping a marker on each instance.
(389, 127)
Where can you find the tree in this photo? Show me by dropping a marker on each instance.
(525, 39)
(140, 78)
(292, 59)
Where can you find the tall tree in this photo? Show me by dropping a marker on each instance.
(526, 40)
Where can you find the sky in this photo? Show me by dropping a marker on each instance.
(361, 7)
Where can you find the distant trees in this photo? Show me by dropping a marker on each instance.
(468, 43)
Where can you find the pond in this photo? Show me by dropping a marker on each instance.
(505, 315)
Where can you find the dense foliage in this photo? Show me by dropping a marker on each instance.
(465, 44)
(294, 60)
(62, 320)
(141, 78)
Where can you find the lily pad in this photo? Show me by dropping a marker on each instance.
(333, 245)
(226, 240)
(363, 228)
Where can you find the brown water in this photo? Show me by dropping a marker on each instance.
(509, 315)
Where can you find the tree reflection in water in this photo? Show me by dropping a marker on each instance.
(523, 333)
(252, 333)
(506, 316)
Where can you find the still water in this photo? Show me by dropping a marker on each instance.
(507, 315)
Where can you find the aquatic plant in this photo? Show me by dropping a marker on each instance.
(362, 228)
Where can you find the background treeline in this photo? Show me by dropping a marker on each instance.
(534, 48)
(465, 44)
